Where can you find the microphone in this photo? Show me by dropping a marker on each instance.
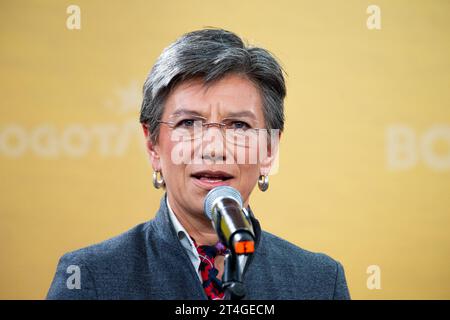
(224, 207)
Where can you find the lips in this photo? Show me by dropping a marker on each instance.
(212, 175)
(209, 179)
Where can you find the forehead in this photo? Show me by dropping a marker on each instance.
(230, 95)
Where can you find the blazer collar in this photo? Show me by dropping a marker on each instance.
(167, 233)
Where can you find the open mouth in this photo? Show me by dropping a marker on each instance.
(212, 176)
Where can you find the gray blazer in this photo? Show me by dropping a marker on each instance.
(149, 262)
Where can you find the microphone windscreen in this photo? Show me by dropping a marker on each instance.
(218, 193)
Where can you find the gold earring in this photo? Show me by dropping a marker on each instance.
(158, 182)
(263, 182)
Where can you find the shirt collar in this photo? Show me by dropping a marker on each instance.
(181, 232)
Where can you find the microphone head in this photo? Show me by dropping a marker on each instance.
(218, 193)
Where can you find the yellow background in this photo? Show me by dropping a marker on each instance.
(334, 191)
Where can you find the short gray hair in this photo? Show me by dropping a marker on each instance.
(211, 54)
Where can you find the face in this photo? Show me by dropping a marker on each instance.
(233, 100)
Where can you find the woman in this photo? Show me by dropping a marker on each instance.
(209, 102)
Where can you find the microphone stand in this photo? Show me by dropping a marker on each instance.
(232, 278)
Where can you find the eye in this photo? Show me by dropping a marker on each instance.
(240, 125)
(186, 123)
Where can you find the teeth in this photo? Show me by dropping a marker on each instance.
(211, 178)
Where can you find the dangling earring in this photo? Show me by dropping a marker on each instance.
(263, 182)
(158, 183)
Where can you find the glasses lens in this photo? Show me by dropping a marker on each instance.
(197, 130)
(243, 138)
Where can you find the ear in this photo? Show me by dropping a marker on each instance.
(267, 161)
(152, 149)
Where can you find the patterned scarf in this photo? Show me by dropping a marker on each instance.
(211, 284)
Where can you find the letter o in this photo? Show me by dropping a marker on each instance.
(17, 132)
(431, 159)
(75, 131)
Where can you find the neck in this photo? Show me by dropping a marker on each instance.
(197, 225)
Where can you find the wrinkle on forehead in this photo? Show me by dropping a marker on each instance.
(231, 96)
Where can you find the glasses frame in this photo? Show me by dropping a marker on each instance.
(220, 125)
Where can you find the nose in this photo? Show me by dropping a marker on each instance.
(213, 144)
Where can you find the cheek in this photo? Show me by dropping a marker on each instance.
(248, 174)
(171, 169)
(248, 165)
(165, 148)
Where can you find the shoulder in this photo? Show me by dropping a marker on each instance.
(116, 252)
(77, 271)
(313, 268)
(292, 253)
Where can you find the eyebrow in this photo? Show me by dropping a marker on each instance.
(244, 113)
(182, 111)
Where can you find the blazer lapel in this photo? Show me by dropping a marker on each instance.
(172, 272)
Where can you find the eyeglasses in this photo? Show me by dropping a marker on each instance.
(236, 132)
